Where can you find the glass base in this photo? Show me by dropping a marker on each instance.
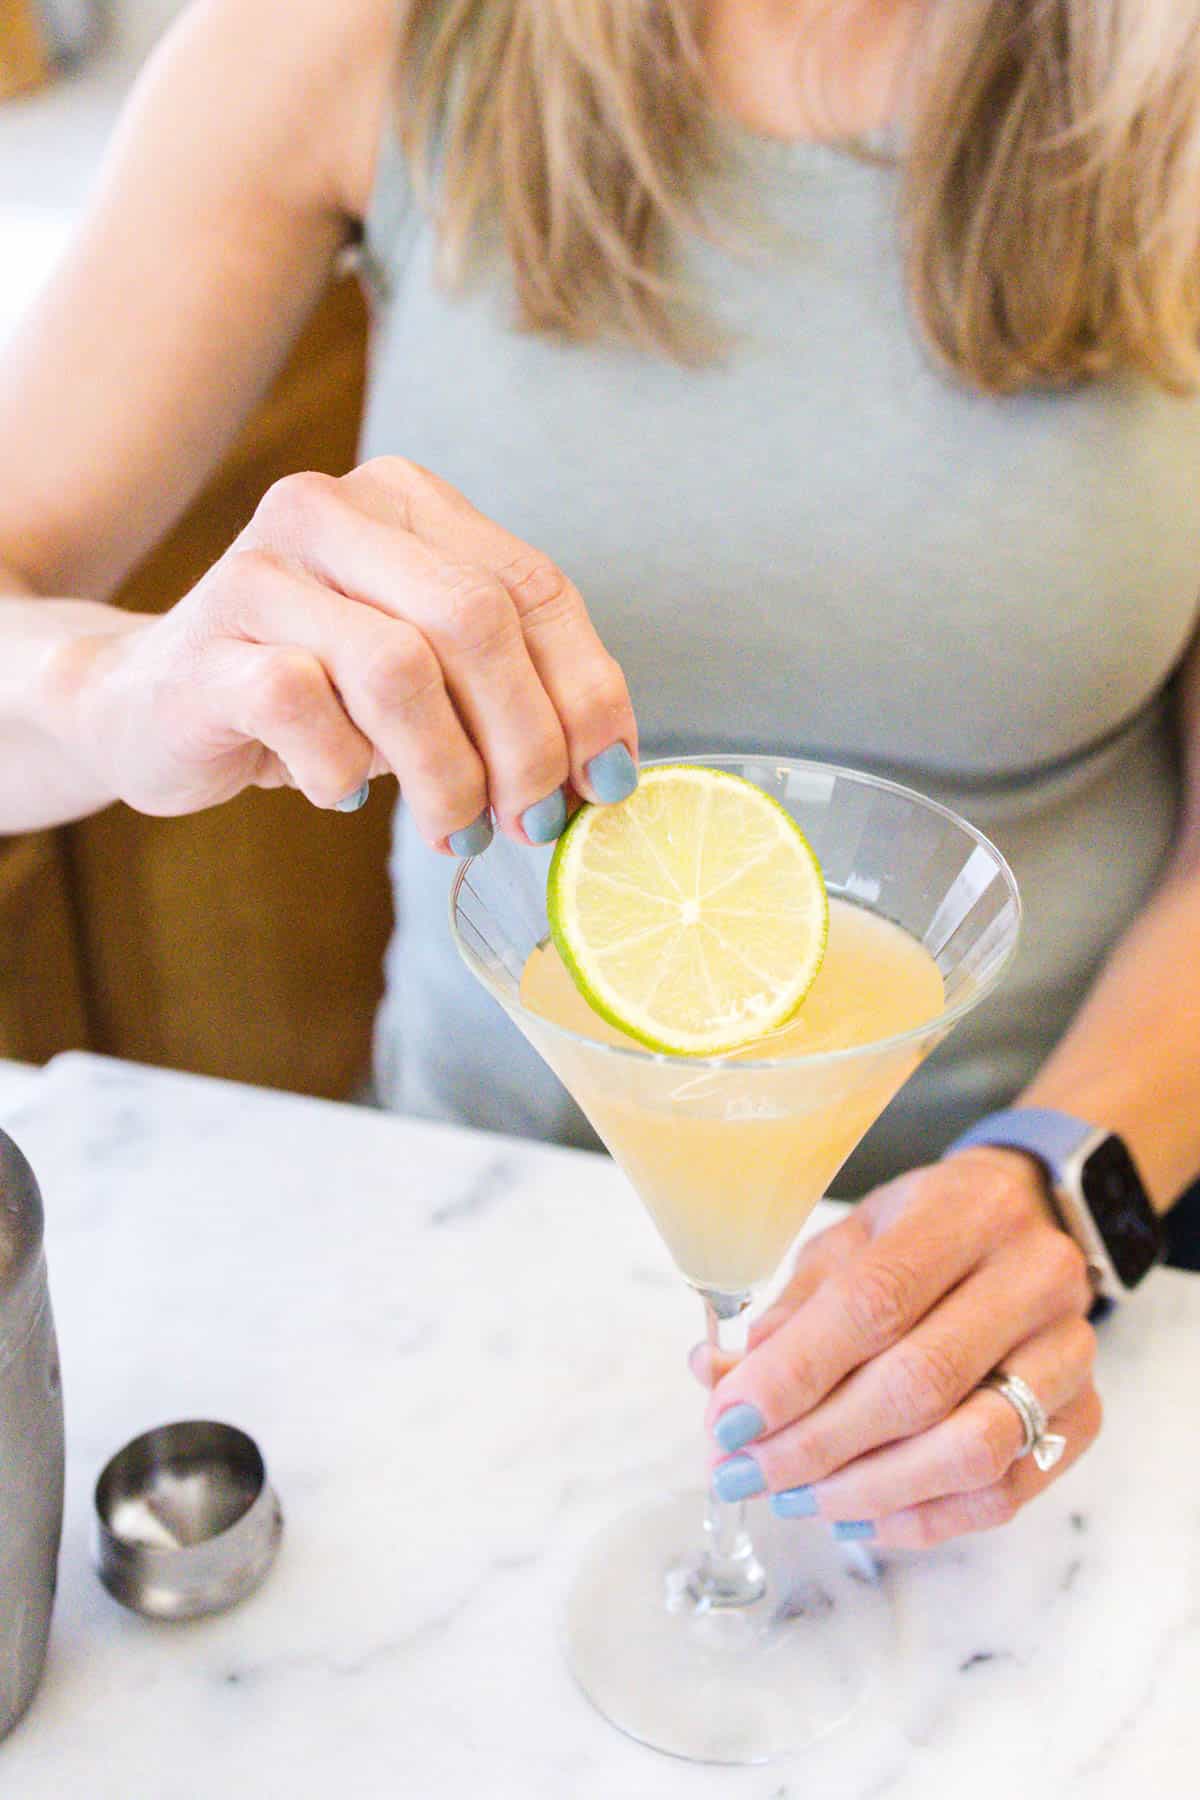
(726, 1684)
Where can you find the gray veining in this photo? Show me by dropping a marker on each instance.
(461, 1357)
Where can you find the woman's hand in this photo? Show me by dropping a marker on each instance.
(861, 1380)
(358, 626)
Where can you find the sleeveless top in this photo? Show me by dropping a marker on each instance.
(818, 545)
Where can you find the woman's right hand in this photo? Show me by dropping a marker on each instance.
(373, 623)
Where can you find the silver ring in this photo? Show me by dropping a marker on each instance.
(1047, 1446)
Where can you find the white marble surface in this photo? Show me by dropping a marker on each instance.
(462, 1356)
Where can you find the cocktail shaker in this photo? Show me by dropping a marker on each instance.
(31, 1439)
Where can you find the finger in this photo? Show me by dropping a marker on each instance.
(466, 615)
(862, 1309)
(709, 1365)
(818, 1258)
(974, 1448)
(955, 1515)
(1023, 1287)
(585, 684)
(271, 773)
(280, 697)
(387, 678)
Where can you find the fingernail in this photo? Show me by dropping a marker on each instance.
(738, 1425)
(472, 840)
(612, 775)
(544, 820)
(795, 1503)
(737, 1479)
(852, 1531)
(353, 801)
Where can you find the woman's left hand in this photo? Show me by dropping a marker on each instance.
(863, 1378)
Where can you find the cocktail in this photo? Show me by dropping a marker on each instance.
(728, 1651)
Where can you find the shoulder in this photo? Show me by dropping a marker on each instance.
(302, 90)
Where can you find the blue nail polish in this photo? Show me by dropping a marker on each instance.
(795, 1503)
(354, 801)
(852, 1531)
(737, 1479)
(738, 1426)
(612, 775)
(544, 820)
(473, 839)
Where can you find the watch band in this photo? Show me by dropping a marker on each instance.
(1120, 1247)
(1053, 1137)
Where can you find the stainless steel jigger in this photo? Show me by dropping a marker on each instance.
(186, 1520)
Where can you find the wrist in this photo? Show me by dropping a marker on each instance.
(84, 648)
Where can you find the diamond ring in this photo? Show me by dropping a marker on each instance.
(1047, 1446)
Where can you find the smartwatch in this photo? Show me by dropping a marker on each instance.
(1097, 1192)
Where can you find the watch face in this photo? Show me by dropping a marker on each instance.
(1126, 1220)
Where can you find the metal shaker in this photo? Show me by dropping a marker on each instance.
(31, 1439)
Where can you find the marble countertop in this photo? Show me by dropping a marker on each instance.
(462, 1356)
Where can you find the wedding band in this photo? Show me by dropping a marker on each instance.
(1047, 1446)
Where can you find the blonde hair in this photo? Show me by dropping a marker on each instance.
(1049, 194)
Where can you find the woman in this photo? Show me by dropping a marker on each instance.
(829, 349)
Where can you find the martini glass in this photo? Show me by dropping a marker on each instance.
(682, 1629)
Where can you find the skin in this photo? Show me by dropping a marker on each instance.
(374, 623)
(381, 623)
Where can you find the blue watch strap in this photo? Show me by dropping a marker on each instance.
(1050, 1136)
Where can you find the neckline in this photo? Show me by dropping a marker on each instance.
(873, 150)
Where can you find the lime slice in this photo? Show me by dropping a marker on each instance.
(693, 915)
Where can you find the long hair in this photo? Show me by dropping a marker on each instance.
(1048, 192)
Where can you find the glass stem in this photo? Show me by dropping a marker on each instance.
(729, 1573)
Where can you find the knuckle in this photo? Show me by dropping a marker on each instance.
(541, 590)
(288, 510)
(765, 1326)
(457, 786)
(478, 618)
(401, 673)
(924, 1381)
(1026, 1200)
(817, 1448)
(985, 1454)
(1083, 1344)
(1005, 1200)
(999, 1187)
(401, 472)
(411, 488)
(602, 691)
(292, 687)
(792, 1364)
(1065, 1266)
(930, 1526)
(785, 1381)
(241, 576)
(336, 778)
(542, 765)
(992, 1507)
(878, 1299)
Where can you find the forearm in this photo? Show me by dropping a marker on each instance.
(1131, 1060)
(45, 646)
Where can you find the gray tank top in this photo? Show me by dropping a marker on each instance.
(819, 546)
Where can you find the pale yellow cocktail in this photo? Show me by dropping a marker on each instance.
(730, 1170)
